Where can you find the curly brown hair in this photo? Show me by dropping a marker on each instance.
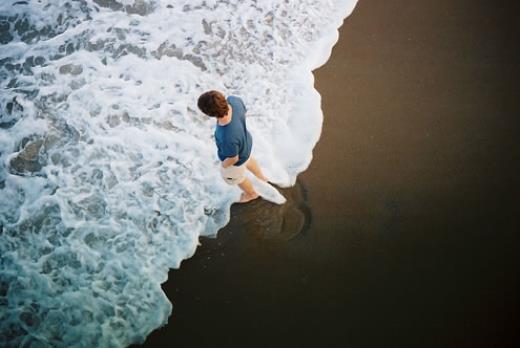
(213, 103)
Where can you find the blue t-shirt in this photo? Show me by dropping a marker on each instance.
(233, 138)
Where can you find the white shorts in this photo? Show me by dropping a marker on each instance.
(234, 175)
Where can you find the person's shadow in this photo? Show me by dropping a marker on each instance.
(263, 221)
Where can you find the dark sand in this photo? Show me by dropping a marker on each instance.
(402, 232)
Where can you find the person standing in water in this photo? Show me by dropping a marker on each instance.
(234, 142)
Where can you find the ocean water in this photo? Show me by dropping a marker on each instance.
(108, 171)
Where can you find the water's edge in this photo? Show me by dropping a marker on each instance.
(108, 170)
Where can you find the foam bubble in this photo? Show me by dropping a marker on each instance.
(109, 172)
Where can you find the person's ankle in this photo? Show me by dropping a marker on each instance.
(263, 178)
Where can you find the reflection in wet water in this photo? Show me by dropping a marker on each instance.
(262, 221)
(267, 221)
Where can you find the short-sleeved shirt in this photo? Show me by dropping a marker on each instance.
(233, 138)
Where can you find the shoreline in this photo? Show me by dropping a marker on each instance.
(402, 230)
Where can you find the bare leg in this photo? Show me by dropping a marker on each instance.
(254, 168)
(249, 192)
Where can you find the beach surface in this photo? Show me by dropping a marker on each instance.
(403, 231)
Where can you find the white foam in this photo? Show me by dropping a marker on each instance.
(125, 177)
(267, 191)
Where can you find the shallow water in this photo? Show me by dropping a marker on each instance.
(108, 169)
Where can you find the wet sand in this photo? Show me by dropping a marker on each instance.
(403, 231)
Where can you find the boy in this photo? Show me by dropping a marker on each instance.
(234, 142)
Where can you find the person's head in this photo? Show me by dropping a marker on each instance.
(213, 103)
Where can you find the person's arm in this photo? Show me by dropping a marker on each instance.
(229, 161)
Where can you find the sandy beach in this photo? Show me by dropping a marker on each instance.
(403, 231)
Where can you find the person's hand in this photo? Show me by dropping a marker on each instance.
(229, 161)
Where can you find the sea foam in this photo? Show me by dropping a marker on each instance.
(109, 172)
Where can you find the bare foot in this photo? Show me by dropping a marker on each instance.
(245, 197)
